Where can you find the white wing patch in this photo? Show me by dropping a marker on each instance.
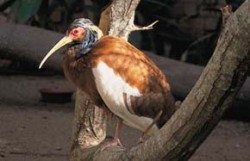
(112, 88)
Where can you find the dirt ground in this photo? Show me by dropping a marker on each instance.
(31, 130)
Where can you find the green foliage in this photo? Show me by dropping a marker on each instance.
(25, 9)
(50, 14)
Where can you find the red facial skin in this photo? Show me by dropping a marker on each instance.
(77, 33)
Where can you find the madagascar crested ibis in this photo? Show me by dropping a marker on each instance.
(116, 75)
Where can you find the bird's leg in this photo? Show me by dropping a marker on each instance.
(116, 140)
(118, 131)
(144, 134)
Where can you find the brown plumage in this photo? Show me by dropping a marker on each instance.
(117, 75)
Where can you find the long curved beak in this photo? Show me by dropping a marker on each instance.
(65, 40)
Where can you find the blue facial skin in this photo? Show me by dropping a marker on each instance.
(90, 38)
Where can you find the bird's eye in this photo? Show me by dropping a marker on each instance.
(75, 31)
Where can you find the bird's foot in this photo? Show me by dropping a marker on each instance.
(114, 142)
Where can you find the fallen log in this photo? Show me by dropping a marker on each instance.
(30, 44)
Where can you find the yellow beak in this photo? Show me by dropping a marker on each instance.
(65, 40)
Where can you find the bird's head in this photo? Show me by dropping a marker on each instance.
(81, 32)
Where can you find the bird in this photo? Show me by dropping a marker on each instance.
(117, 76)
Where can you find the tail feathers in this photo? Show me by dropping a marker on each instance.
(168, 110)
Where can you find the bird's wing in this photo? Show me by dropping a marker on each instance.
(150, 104)
(135, 68)
(130, 63)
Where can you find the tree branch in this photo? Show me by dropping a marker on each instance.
(139, 28)
(122, 17)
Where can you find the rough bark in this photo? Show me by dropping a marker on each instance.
(89, 126)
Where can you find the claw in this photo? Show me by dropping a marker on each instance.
(114, 142)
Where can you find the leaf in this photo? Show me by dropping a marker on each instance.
(25, 9)
(6, 4)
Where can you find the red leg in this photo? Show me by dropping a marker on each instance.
(116, 140)
(144, 134)
(118, 131)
